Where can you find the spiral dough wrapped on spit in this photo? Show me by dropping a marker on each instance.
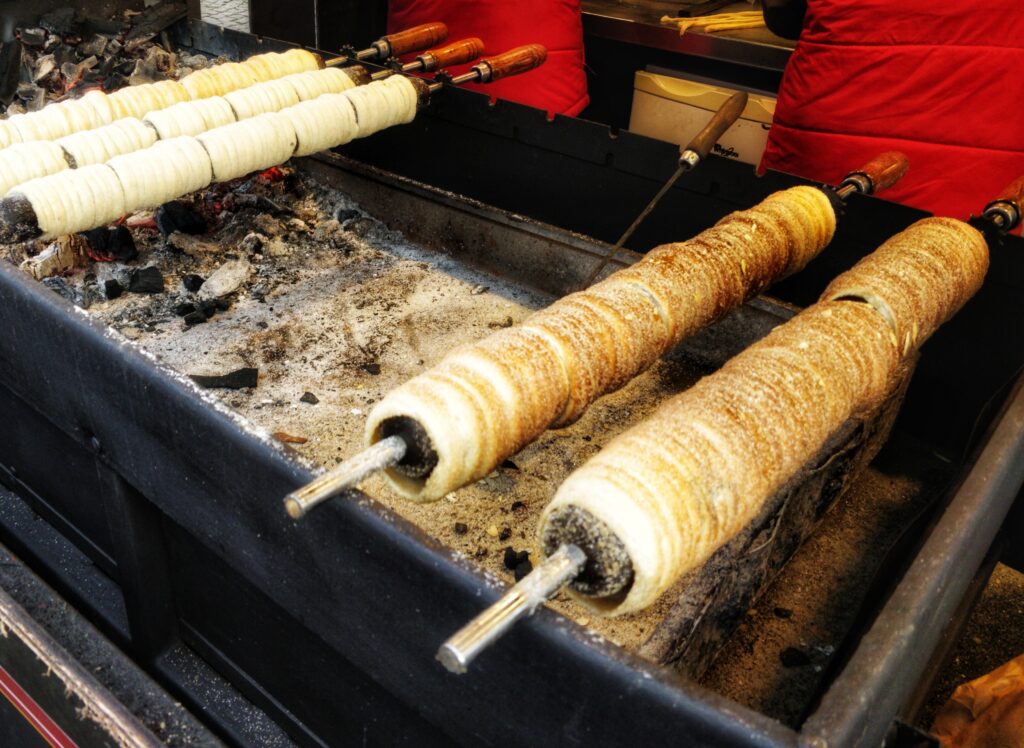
(670, 491)
(174, 167)
(484, 402)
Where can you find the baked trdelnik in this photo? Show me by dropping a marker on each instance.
(486, 401)
(662, 497)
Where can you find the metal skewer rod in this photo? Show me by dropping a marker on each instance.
(533, 590)
(457, 53)
(348, 474)
(513, 62)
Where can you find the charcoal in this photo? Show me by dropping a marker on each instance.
(112, 289)
(372, 368)
(113, 81)
(360, 225)
(782, 613)
(95, 45)
(146, 280)
(60, 286)
(505, 534)
(259, 202)
(184, 308)
(208, 307)
(793, 657)
(194, 318)
(461, 528)
(152, 21)
(145, 71)
(10, 69)
(34, 37)
(518, 506)
(192, 282)
(346, 214)
(309, 397)
(179, 216)
(110, 244)
(233, 380)
(514, 558)
(195, 62)
(522, 570)
(45, 65)
(60, 22)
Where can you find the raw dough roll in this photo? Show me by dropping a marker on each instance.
(942, 264)
(8, 133)
(309, 86)
(606, 335)
(676, 487)
(272, 96)
(74, 200)
(138, 101)
(102, 144)
(162, 172)
(218, 80)
(191, 117)
(271, 65)
(322, 123)
(244, 147)
(24, 161)
(383, 104)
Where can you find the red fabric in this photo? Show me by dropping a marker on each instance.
(936, 80)
(560, 86)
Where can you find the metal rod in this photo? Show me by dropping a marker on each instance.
(684, 166)
(381, 74)
(522, 600)
(348, 474)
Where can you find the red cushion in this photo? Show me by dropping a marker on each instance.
(917, 76)
(560, 86)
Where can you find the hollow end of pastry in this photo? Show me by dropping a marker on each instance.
(608, 575)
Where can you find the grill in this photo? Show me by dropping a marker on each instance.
(161, 506)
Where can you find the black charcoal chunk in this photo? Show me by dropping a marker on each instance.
(461, 528)
(112, 289)
(505, 534)
(373, 368)
(345, 214)
(513, 558)
(522, 569)
(309, 397)
(146, 280)
(783, 613)
(60, 22)
(184, 308)
(179, 216)
(194, 318)
(793, 657)
(94, 45)
(112, 244)
(233, 380)
(192, 282)
(34, 37)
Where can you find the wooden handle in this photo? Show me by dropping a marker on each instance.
(457, 53)
(516, 61)
(1013, 193)
(724, 118)
(416, 38)
(885, 170)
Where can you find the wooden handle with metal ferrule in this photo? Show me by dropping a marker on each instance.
(724, 118)
(515, 61)
(416, 38)
(885, 170)
(1013, 193)
(457, 53)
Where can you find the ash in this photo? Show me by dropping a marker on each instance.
(65, 53)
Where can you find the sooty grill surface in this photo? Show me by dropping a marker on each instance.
(332, 310)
